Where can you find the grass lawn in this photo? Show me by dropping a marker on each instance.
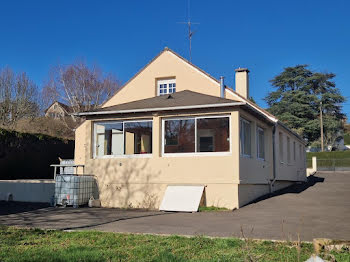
(338, 158)
(347, 139)
(39, 245)
(212, 208)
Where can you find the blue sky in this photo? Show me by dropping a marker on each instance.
(122, 36)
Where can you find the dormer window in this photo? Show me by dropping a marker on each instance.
(166, 86)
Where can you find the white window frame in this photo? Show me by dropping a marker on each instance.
(148, 155)
(258, 129)
(167, 82)
(195, 137)
(240, 138)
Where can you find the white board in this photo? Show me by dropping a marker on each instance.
(182, 198)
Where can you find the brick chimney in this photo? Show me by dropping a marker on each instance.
(242, 82)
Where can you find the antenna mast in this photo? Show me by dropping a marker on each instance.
(190, 32)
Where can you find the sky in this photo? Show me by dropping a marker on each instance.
(123, 36)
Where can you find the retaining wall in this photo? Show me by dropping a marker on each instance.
(27, 190)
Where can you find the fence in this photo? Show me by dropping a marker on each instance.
(333, 164)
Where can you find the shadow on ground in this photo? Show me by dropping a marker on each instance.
(296, 188)
(69, 218)
(7, 208)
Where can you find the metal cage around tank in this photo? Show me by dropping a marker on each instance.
(72, 189)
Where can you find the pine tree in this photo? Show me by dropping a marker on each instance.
(296, 101)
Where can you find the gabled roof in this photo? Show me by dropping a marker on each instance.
(180, 100)
(254, 106)
(67, 108)
(201, 71)
(150, 62)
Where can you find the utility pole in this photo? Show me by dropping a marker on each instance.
(321, 126)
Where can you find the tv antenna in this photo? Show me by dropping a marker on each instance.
(190, 32)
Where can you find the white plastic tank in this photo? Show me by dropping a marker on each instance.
(74, 190)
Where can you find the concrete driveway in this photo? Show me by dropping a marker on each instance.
(319, 208)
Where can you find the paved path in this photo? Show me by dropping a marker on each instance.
(320, 208)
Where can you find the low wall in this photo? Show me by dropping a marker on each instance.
(311, 171)
(28, 190)
(150, 195)
(248, 193)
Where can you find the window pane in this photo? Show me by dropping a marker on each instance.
(109, 139)
(213, 135)
(138, 137)
(179, 136)
(294, 151)
(166, 86)
(281, 146)
(241, 139)
(261, 144)
(288, 149)
(247, 136)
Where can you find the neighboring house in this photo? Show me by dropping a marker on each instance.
(174, 124)
(58, 110)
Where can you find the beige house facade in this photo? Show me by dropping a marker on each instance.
(174, 124)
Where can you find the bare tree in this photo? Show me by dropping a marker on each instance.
(18, 97)
(6, 84)
(80, 86)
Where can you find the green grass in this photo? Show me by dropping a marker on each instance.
(39, 245)
(328, 159)
(212, 208)
(347, 139)
(329, 155)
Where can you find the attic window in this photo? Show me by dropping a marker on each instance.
(166, 86)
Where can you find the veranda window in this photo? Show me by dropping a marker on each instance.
(117, 138)
(196, 135)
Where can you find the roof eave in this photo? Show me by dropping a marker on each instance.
(144, 110)
(291, 131)
(266, 118)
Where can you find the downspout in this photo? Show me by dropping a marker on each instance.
(272, 182)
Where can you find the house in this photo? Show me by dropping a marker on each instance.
(174, 124)
(58, 110)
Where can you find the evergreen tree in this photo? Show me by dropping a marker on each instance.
(297, 98)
